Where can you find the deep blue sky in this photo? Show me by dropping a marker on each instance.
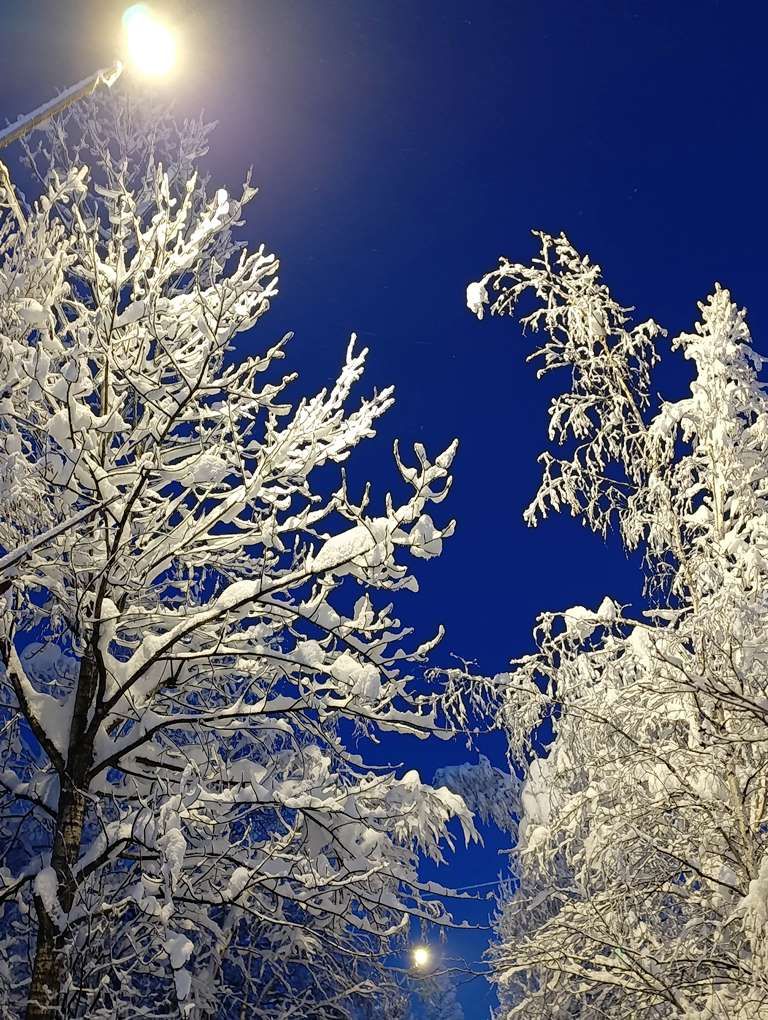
(401, 146)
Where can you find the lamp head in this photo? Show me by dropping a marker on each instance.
(149, 43)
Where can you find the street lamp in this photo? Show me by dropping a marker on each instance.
(421, 957)
(149, 42)
(149, 46)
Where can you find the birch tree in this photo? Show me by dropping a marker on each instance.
(194, 647)
(640, 886)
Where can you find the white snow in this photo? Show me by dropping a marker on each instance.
(477, 298)
(360, 678)
(46, 886)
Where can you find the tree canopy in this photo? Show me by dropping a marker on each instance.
(195, 650)
(640, 873)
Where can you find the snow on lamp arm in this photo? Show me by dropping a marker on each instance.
(27, 122)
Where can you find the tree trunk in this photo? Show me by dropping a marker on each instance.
(48, 969)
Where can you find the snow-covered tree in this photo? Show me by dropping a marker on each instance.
(641, 879)
(490, 793)
(435, 998)
(193, 650)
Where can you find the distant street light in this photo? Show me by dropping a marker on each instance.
(150, 48)
(421, 957)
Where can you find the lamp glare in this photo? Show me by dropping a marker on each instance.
(421, 957)
(150, 44)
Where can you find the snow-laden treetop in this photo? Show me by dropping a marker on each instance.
(193, 646)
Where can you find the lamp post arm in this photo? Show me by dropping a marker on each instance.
(106, 76)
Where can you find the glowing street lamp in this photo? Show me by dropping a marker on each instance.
(421, 957)
(150, 43)
(150, 48)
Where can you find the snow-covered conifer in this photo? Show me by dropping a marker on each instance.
(641, 885)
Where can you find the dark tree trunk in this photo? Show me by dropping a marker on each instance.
(48, 968)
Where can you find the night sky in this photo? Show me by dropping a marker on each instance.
(400, 147)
